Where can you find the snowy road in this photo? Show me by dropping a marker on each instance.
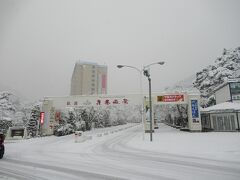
(108, 157)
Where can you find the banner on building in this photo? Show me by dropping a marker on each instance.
(171, 98)
(194, 107)
(41, 117)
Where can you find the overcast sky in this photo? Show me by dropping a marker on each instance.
(40, 41)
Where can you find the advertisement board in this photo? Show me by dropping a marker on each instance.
(194, 110)
(171, 98)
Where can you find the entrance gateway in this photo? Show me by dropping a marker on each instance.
(176, 109)
(181, 110)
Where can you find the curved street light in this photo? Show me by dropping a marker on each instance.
(160, 63)
(146, 72)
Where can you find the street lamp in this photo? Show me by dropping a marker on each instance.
(141, 90)
(146, 72)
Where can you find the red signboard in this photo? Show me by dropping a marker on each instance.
(171, 98)
(41, 117)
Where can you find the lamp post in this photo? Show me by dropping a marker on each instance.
(146, 72)
(141, 89)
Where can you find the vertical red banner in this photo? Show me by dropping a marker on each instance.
(104, 83)
(41, 117)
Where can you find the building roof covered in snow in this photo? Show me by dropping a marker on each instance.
(226, 106)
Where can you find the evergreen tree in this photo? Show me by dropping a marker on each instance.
(71, 118)
(32, 125)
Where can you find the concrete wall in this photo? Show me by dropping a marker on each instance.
(223, 94)
(92, 100)
(224, 121)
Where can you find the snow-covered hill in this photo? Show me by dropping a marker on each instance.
(13, 111)
(9, 105)
(225, 67)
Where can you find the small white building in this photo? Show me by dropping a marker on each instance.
(224, 116)
(228, 92)
(221, 117)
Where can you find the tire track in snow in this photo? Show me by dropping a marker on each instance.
(116, 147)
(64, 173)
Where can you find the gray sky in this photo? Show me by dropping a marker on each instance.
(40, 41)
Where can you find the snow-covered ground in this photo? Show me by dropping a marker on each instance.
(122, 153)
(212, 145)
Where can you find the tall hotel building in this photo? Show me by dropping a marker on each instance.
(89, 78)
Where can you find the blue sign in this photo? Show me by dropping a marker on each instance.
(194, 107)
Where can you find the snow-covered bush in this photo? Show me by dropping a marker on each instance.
(88, 117)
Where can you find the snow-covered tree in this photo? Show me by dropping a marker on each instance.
(4, 125)
(64, 126)
(88, 115)
(9, 105)
(32, 126)
(182, 118)
(225, 67)
(84, 117)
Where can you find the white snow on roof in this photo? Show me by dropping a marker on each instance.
(223, 106)
(82, 62)
(86, 62)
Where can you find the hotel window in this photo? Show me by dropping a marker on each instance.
(75, 103)
(68, 103)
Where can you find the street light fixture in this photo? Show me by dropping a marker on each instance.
(120, 66)
(146, 72)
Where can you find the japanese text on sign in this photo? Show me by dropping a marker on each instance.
(115, 101)
(170, 98)
(194, 107)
